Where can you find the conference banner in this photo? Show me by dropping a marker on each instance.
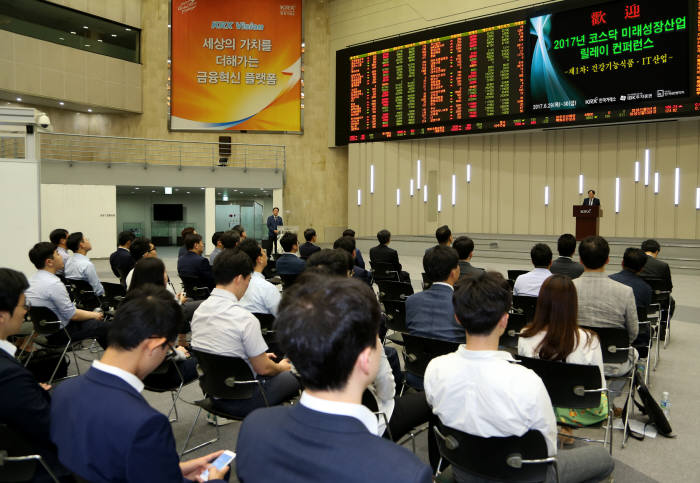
(236, 65)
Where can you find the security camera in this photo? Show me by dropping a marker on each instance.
(43, 121)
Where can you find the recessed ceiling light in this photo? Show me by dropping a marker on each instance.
(19, 99)
(61, 38)
(177, 189)
(85, 26)
(133, 193)
(88, 45)
(218, 193)
(153, 191)
(168, 25)
(99, 40)
(74, 33)
(127, 29)
(61, 103)
(136, 188)
(201, 188)
(114, 35)
(188, 192)
(168, 61)
(89, 110)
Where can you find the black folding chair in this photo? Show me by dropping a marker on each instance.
(523, 304)
(19, 461)
(648, 331)
(288, 279)
(516, 322)
(267, 322)
(419, 351)
(391, 290)
(113, 297)
(221, 377)
(167, 377)
(575, 386)
(395, 311)
(510, 458)
(83, 294)
(514, 274)
(426, 281)
(661, 295)
(384, 271)
(194, 289)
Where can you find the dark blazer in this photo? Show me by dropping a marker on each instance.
(193, 265)
(289, 264)
(182, 251)
(566, 266)
(384, 254)
(361, 274)
(308, 249)
(121, 259)
(641, 289)
(655, 268)
(586, 202)
(359, 261)
(272, 223)
(294, 444)
(466, 269)
(105, 431)
(430, 313)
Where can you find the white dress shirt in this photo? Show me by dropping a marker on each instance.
(384, 389)
(79, 267)
(261, 297)
(65, 256)
(529, 283)
(8, 347)
(357, 411)
(485, 394)
(47, 290)
(126, 376)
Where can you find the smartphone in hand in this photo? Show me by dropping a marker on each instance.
(222, 461)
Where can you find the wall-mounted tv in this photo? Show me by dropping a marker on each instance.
(169, 212)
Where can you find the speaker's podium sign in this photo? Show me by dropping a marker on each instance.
(236, 65)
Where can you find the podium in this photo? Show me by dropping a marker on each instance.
(587, 220)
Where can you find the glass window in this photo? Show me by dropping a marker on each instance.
(65, 26)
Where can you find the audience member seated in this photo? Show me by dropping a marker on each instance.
(47, 290)
(141, 247)
(603, 302)
(347, 243)
(58, 237)
(328, 261)
(221, 326)
(658, 270)
(193, 265)
(103, 427)
(289, 263)
(261, 297)
(565, 264)
(383, 254)
(465, 250)
(529, 283)
(444, 237)
(328, 327)
(241, 232)
(183, 234)
(554, 335)
(79, 266)
(230, 239)
(308, 248)
(480, 391)
(633, 262)
(217, 246)
(121, 260)
(359, 261)
(25, 404)
(430, 313)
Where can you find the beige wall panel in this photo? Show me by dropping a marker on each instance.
(625, 170)
(446, 168)
(353, 185)
(667, 138)
(52, 83)
(75, 62)
(25, 50)
(538, 180)
(52, 56)
(116, 94)
(390, 183)
(28, 78)
(132, 12)
(6, 53)
(460, 168)
(377, 158)
(477, 188)
(688, 163)
(75, 89)
(432, 172)
(96, 92)
(404, 173)
(607, 160)
(506, 185)
(571, 168)
(115, 70)
(521, 183)
(7, 75)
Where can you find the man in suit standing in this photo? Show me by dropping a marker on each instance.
(193, 265)
(329, 435)
(121, 260)
(274, 221)
(565, 264)
(655, 269)
(383, 254)
(103, 427)
(308, 248)
(591, 200)
(289, 263)
(465, 249)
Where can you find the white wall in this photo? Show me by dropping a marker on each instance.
(88, 208)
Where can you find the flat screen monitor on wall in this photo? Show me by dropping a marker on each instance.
(167, 212)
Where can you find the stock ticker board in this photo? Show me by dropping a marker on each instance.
(586, 63)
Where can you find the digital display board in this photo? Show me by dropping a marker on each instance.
(585, 62)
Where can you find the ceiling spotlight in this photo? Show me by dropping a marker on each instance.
(74, 33)
(188, 192)
(89, 110)
(136, 188)
(99, 40)
(61, 38)
(61, 103)
(85, 26)
(114, 35)
(201, 188)
(128, 29)
(88, 45)
(153, 191)
(168, 25)
(19, 99)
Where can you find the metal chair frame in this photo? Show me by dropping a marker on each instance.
(384, 271)
(391, 290)
(419, 351)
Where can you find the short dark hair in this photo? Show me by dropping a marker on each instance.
(148, 271)
(481, 301)
(383, 236)
(347, 243)
(335, 262)
(566, 245)
(309, 233)
(57, 235)
(73, 240)
(651, 245)
(594, 251)
(239, 229)
(464, 246)
(230, 239)
(12, 285)
(215, 237)
(288, 240)
(41, 252)
(323, 325)
(251, 248)
(634, 259)
(192, 239)
(125, 237)
(541, 255)
(275, 208)
(139, 247)
(349, 232)
(187, 231)
(439, 261)
(229, 264)
(591, 191)
(443, 234)
(147, 312)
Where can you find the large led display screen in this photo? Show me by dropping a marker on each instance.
(571, 63)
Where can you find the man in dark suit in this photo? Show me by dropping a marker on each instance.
(655, 269)
(273, 221)
(183, 234)
(465, 249)
(308, 248)
(347, 243)
(103, 427)
(121, 260)
(193, 265)
(591, 200)
(565, 264)
(289, 263)
(633, 261)
(383, 254)
(25, 404)
(359, 261)
(443, 235)
(329, 435)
